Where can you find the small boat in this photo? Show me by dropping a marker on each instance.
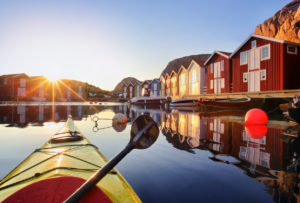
(54, 171)
(148, 101)
(226, 103)
(184, 102)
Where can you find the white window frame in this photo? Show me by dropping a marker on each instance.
(222, 83)
(222, 65)
(290, 52)
(263, 73)
(261, 52)
(253, 44)
(245, 77)
(246, 61)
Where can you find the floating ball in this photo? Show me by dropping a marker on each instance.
(256, 117)
(120, 118)
(256, 131)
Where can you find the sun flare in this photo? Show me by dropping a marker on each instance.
(52, 78)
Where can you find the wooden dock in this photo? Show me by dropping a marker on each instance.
(259, 95)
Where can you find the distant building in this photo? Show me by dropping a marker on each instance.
(183, 81)
(130, 90)
(196, 78)
(174, 84)
(137, 89)
(218, 71)
(155, 87)
(146, 88)
(168, 85)
(39, 88)
(13, 86)
(262, 63)
(162, 86)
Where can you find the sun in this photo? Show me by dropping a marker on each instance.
(52, 78)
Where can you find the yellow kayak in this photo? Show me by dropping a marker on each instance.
(59, 167)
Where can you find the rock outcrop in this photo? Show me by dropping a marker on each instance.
(119, 86)
(285, 24)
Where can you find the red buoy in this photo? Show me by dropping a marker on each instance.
(256, 131)
(256, 117)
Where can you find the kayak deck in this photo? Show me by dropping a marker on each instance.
(74, 158)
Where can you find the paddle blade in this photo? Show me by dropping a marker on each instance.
(148, 136)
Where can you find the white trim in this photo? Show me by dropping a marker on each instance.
(192, 61)
(246, 62)
(214, 53)
(289, 52)
(263, 72)
(261, 52)
(245, 77)
(260, 37)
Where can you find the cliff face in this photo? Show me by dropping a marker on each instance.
(285, 24)
(184, 61)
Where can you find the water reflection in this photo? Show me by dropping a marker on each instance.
(262, 153)
(22, 116)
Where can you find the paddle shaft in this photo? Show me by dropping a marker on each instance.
(88, 185)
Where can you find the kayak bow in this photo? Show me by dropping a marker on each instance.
(53, 172)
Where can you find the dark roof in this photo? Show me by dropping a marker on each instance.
(184, 61)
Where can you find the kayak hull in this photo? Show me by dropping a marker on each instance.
(74, 158)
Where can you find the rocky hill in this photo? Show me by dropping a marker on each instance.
(285, 24)
(184, 61)
(127, 80)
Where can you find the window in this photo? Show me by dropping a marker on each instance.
(245, 77)
(265, 52)
(182, 79)
(194, 78)
(253, 44)
(263, 75)
(222, 83)
(211, 68)
(291, 50)
(155, 86)
(211, 84)
(222, 65)
(243, 57)
(22, 82)
(5, 81)
(146, 86)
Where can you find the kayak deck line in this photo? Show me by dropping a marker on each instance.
(71, 158)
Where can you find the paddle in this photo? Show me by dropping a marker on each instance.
(143, 134)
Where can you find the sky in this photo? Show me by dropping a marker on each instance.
(102, 42)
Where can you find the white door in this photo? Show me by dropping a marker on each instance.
(254, 76)
(217, 86)
(254, 81)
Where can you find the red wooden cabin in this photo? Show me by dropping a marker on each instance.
(263, 64)
(146, 88)
(218, 72)
(130, 90)
(13, 86)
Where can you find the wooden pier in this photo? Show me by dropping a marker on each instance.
(258, 95)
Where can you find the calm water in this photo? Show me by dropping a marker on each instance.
(197, 158)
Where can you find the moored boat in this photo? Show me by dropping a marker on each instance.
(226, 103)
(184, 102)
(148, 101)
(54, 171)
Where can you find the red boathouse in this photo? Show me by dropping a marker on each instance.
(218, 72)
(264, 64)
